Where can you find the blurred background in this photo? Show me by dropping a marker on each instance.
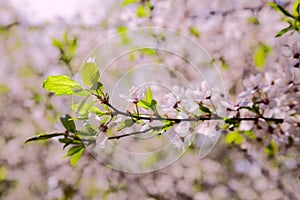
(230, 30)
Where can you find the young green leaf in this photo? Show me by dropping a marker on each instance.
(62, 85)
(296, 8)
(43, 137)
(125, 124)
(253, 20)
(57, 44)
(75, 157)
(74, 150)
(153, 105)
(68, 141)
(90, 74)
(68, 123)
(141, 12)
(234, 137)
(148, 96)
(204, 109)
(277, 7)
(271, 149)
(224, 64)
(144, 104)
(260, 54)
(283, 31)
(147, 51)
(122, 30)
(194, 31)
(128, 2)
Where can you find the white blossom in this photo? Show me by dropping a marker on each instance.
(135, 94)
(101, 141)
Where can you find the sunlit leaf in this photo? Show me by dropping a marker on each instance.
(249, 134)
(144, 104)
(260, 54)
(253, 20)
(224, 64)
(44, 137)
(147, 51)
(62, 85)
(57, 43)
(122, 30)
(234, 137)
(194, 31)
(90, 74)
(75, 157)
(148, 96)
(128, 2)
(3, 173)
(3, 89)
(296, 8)
(141, 11)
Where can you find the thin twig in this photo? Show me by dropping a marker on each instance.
(135, 133)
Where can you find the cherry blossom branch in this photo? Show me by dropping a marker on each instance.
(214, 117)
(135, 133)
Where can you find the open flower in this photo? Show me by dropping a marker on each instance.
(200, 94)
(183, 128)
(135, 94)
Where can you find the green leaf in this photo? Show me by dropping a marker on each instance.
(75, 157)
(141, 12)
(105, 119)
(260, 54)
(250, 134)
(62, 85)
(98, 87)
(147, 51)
(281, 9)
(234, 137)
(85, 108)
(168, 124)
(68, 123)
(283, 31)
(144, 104)
(128, 2)
(204, 109)
(271, 150)
(74, 150)
(148, 96)
(153, 105)
(43, 137)
(194, 31)
(122, 30)
(296, 8)
(3, 89)
(224, 64)
(253, 20)
(125, 124)
(57, 43)
(148, 102)
(68, 141)
(90, 74)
